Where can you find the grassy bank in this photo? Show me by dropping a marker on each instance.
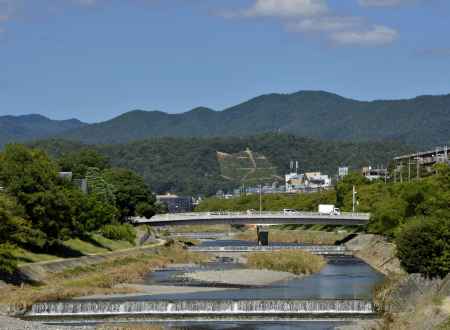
(409, 303)
(92, 244)
(101, 278)
(296, 236)
(292, 261)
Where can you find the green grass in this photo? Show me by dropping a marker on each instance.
(292, 261)
(111, 244)
(25, 256)
(94, 245)
(84, 247)
(97, 244)
(445, 325)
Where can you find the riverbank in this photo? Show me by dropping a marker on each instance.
(39, 272)
(378, 252)
(94, 275)
(408, 302)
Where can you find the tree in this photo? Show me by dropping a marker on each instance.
(14, 230)
(345, 187)
(98, 186)
(79, 162)
(423, 246)
(51, 209)
(26, 171)
(133, 197)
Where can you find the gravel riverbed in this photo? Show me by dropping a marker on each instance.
(247, 277)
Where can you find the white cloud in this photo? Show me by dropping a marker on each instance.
(378, 35)
(316, 17)
(385, 3)
(325, 24)
(281, 8)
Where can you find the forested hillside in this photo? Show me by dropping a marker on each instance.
(30, 127)
(190, 166)
(423, 121)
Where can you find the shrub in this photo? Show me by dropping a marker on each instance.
(292, 261)
(423, 246)
(8, 263)
(119, 232)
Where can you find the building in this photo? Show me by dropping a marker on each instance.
(342, 171)
(374, 173)
(294, 181)
(317, 180)
(65, 176)
(419, 163)
(177, 204)
(307, 182)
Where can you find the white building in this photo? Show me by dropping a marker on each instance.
(310, 181)
(294, 182)
(374, 173)
(317, 180)
(342, 171)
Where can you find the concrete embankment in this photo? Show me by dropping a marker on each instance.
(408, 301)
(377, 252)
(40, 271)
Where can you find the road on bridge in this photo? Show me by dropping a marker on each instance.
(254, 218)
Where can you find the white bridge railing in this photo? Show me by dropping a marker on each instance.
(251, 215)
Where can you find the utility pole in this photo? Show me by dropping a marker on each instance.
(354, 199)
(409, 169)
(260, 199)
(401, 172)
(417, 167)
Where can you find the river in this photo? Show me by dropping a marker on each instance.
(343, 278)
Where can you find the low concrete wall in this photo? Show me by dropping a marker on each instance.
(40, 271)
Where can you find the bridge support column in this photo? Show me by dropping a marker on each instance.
(262, 233)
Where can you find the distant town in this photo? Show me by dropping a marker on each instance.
(402, 168)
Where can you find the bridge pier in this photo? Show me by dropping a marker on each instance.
(262, 233)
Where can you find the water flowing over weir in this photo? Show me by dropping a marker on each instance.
(203, 308)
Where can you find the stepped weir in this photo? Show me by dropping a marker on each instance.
(203, 308)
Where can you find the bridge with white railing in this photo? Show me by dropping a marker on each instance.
(255, 218)
(326, 250)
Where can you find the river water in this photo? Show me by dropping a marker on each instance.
(343, 277)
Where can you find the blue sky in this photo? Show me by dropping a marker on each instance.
(95, 59)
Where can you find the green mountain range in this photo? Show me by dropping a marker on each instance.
(31, 127)
(423, 121)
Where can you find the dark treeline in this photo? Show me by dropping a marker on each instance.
(190, 166)
(39, 209)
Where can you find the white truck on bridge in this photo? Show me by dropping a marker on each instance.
(328, 209)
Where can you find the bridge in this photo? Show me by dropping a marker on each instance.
(255, 218)
(326, 250)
